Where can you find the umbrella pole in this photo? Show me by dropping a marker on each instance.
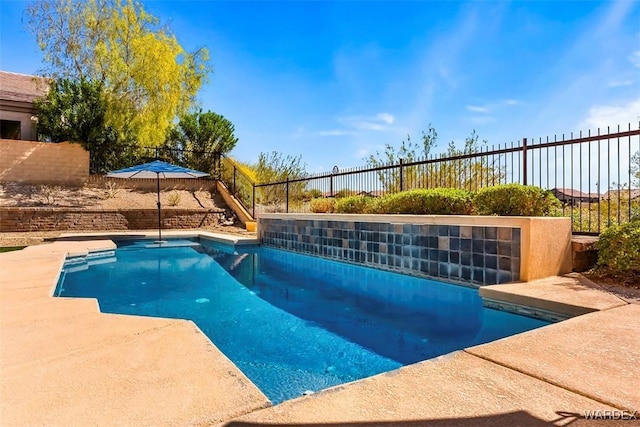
(159, 220)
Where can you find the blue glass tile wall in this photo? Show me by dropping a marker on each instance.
(471, 254)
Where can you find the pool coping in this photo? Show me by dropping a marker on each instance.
(15, 295)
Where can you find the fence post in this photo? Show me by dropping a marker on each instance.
(401, 176)
(524, 161)
(234, 181)
(287, 196)
(253, 201)
(331, 185)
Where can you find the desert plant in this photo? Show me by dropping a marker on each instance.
(314, 193)
(50, 194)
(619, 249)
(515, 200)
(435, 201)
(322, 205)
(112, 190)
(174, 198)
(353, 204)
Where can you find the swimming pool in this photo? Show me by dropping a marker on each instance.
(292, 323)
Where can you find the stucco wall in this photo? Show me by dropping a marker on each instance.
(43, 163)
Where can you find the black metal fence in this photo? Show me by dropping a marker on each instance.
(595, 175)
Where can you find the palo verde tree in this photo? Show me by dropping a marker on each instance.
(199, 139)
(147, 76)
(407, 152)
(274, 167)
(75, 111)
(635, 170)
(469, 173)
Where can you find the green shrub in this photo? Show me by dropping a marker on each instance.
(619, 249)
(353, 204)
(515, 200)
(322, 205)
(435, 201)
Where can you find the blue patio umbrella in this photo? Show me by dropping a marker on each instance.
(157, 169)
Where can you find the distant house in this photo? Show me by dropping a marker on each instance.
(631, 194)
(17, 93)
(573, 197)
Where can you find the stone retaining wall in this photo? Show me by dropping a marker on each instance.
(64, 219)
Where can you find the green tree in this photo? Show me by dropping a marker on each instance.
(75, 111)
(148, 77)
(201, 138)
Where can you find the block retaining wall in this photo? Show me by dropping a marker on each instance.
(64, 219)
(42, 162)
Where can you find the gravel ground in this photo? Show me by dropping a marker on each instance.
(22, 195)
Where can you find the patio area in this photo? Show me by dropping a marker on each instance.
(65, 363)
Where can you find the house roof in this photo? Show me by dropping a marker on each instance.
(21, 87)
(570, 192)
(632, 194)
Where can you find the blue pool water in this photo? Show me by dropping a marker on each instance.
(292, 323)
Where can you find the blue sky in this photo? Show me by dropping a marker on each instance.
(336, 81)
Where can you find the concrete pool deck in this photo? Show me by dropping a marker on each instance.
(62, 362)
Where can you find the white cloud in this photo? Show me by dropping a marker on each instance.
(477, 109)
(379, 123)
(386, 117)
(620, 83)
(511, 102)
(601, 116)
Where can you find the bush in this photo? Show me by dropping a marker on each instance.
(174, 199)
(619, 249)
(353, 204)
(112, 190)
(312, 194)
(50, 194)
(435, 201)
(515, 200)
(322, 205)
